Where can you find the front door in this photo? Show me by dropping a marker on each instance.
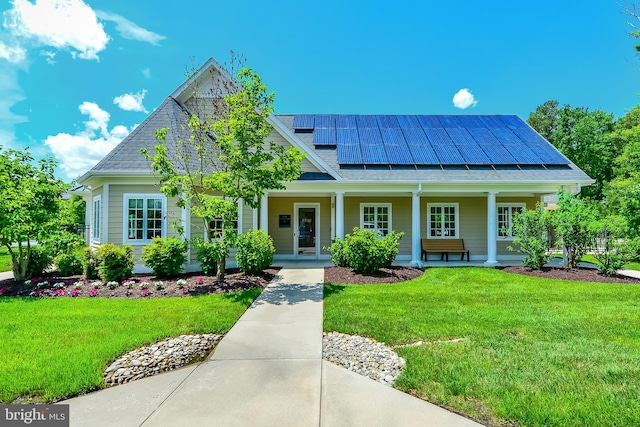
(305, 236)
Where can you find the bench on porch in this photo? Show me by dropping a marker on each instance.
(444, 246)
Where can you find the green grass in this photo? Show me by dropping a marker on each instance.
(56, 348)
(591, 259)
(537, 352)
(5, 260)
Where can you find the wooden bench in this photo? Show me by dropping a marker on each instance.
(444, 246)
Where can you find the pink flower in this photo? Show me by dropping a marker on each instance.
(200, 280)
(74, 293)
(59, 292)
(94, 292)
(145, 292)
(4, 291)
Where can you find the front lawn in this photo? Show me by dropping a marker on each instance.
(56, 348)
(591, 259)
(534, 352)
(5, 260)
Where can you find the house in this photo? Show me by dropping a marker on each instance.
(429, 176)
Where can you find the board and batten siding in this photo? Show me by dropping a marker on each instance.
(400, 217)
(283, 237)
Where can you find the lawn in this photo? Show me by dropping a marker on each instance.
(536, 352)
(5, 260)
(591, 259)
(56, 348)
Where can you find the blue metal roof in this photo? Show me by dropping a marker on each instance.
(429, 139)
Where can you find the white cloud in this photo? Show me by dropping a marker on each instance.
(131, 101)
(464, 99)
(63, 24)
(14, 54)
(130, 30)
(146, 72)
(49, 56)
(10, 94)
(80, 152)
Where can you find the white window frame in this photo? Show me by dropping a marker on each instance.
(125, 216)
(239, 222)
(96, 218)
(510, 237)
(376, 206)
(456, 206)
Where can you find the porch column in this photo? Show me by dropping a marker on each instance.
(88, 209)
(415, 230)
(339, 214)
(264, 213)
(492, 231)
(254, 224)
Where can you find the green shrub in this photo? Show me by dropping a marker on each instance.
(115, 263)
(532, 229)
(90, 263)
(39, 261)
(208, 255)
(572, 222)
(69, 263)
(255, 251)
(613, 252)
(165, 256)
(366, 251)
(337, 253)
(64, 242)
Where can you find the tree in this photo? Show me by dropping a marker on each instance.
(545, 119)
(73, 211)
(29, 207)
(532, 229)
(573, 224)
(225, 158)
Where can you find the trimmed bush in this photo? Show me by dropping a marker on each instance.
(366, 251)
(115, 263)
(90, 263)
(208, 254)
(532, 229)
(39, 261)
(337, 253)
(69, 263)
(255, 251)
(165, 256)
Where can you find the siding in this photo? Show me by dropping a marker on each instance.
(307, 166)
(283, 237)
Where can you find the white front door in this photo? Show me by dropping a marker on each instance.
(306, 235)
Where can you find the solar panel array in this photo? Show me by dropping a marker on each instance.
(429, 140)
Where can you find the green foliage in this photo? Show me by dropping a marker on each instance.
(115, 263)
(337, 253)
(29, 207)
(70, 263)
(573, 224)
(165, 256)
(63, 242)
(532, 229)
(613, 252)
(255, 251)
(72, 210)
(39, 261)
(239, 164)
(623, 197)
(545, 119)
(209, 254)
(366, 251)
(90, 263)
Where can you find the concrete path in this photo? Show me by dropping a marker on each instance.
(267, 371)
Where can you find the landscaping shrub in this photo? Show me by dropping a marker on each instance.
(255, 251)
(69, 263)
(115, 263)
(90, 263)
(532, 229)
(165, 256)
(366, 251)
(572, 224)
(63, 242)
(613, 252)
(337, 253)
(39, 261)
(208, 255)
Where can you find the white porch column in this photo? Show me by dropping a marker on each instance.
(492, 231)
(340, 214)
(88, 209)
(254, 224)
(264, 213)
(415, 230)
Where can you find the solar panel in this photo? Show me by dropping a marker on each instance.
(373, 151)
(448, 154)
(450, 121)
(349, 154)
(396, 146)
(471, 122)
(429, 122)
(438, 136)
(513, 122)
(325, 121)
(460, 136)
(346, 122)
(408, 122)
(324, 136)
(303, 121)
(468, 147)
(540, 147)
(387, 122)
(347, 136)
(519, 150)
(420, 147)
(367, 122)
(491, 122)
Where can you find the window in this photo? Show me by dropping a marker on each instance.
(442, 220)
(506, 213)
(216, 227)
(144, 217)
(376, 217)
(95, 234)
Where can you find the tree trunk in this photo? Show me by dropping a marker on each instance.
(222, 263)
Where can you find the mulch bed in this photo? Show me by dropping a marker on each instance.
(195, 284)
(580, 273)
(385, 275)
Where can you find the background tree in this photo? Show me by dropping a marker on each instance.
(226, 157)
(29, 205)
(545, 119)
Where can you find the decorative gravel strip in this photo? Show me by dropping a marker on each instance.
(160, 357)
(363, 356)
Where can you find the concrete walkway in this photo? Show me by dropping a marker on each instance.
(267, 371)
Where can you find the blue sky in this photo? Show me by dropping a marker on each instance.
(76, 77)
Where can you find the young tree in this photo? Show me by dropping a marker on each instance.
(29, 196)
(532, 229)
(226, 157)
(573, 224)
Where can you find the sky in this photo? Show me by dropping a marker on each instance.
(77, 76)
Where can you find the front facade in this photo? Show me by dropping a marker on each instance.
(431, 177)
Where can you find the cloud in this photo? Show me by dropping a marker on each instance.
(49, 56)
(146, 72)
(131, 101)
(10, 94)
(130, 30)
(80, 152)
(14, 54)
(63, 24)
(464, 99)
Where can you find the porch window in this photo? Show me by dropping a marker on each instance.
(506, 212)
(443, 220)
(144, 217)
(376, 216)
(97, 214)
(217, 226)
